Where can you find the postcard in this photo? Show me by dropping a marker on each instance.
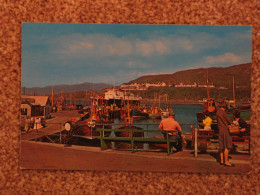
(131, 97)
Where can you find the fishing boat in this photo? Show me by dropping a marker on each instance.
(138, 115)
(211, 106)
(155, 113)
(128, 126)
(165, 112)
(167, 109)
(88, 127)
(96, 118)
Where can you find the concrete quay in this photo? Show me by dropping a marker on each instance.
(42, 155)
(39, 155)
(53, 125)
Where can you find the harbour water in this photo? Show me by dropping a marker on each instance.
(185, 115)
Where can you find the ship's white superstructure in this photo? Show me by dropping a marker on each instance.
(117, 94)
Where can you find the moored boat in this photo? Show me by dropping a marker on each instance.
(96, 118)
(155, 113)
(165, 112)
(88, 128)
(136, 114)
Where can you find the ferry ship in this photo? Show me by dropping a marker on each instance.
(119, 97)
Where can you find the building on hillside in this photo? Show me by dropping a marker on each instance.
(186, 85)
(195, 85)
(206, 85)
(223, 88)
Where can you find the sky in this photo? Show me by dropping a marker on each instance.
(62, 53)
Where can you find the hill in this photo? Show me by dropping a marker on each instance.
(66, 88)
(220, 77)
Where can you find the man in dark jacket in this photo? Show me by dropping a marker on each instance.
(225, 139)
(244, 127)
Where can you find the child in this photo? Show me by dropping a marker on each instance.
(207, 121)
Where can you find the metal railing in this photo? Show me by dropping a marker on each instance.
(60, 128)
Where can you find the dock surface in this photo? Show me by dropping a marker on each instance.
(43, 155)
(53, 125)
(39, 155)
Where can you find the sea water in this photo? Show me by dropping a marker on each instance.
(185, 114)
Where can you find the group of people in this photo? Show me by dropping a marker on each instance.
(225, 139)
(171, 127)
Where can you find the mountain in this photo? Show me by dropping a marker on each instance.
(220, 77)
(66, 88)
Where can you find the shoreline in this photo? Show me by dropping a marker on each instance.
(177, 102)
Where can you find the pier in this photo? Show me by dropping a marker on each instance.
(44, 155)
(39, 155)
(54, 124)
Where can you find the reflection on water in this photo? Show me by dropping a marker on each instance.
(185, 115)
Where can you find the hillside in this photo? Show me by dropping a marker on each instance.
(220, 77)
(66, 88)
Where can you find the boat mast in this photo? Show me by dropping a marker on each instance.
(114, 93)
(139, 100)
(159, 101)
(207, 84)
(234, 98)
(70, 98)
(128, 111)
(52, 97)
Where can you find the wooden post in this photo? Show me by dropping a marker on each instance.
(132, 140)
(103, 145)
(103, 131)
(196, 143)
(168, 143)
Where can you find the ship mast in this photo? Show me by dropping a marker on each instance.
(159, 101)
(128, 111)
(52, 97)
(114, 92)
(207, 84)
(70, 98)
(234, 98)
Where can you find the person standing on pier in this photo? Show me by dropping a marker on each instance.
(225, 139)
(174, 128)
